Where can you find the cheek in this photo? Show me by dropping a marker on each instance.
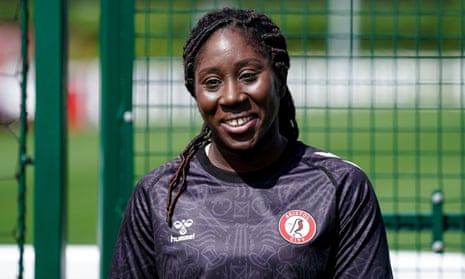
(206, 103)
(266, 94)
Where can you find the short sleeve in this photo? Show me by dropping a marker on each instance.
(362, 245)
(133, 256)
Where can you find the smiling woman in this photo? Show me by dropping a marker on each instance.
(238, 100)
(251, 200)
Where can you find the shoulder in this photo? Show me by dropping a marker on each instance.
(336, 167)
(152, 187)
(160, 174)
(353, 186)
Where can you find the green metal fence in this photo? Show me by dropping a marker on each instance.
(14, 131)
(380, 83)
(50, 139)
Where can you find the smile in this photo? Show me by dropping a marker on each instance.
(238, 121)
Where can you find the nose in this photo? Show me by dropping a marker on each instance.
(232, 94)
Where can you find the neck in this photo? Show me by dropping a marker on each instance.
(249, 160)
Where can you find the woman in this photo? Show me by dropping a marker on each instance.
(246, 199)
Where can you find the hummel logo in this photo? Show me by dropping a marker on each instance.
(182, 227)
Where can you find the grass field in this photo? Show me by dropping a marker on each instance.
(82, 188)
(407, 154)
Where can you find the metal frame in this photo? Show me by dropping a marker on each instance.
(51, 174)
(116, 139)
(438, 222)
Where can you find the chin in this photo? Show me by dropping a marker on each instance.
(243, 147)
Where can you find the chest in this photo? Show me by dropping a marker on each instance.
(243, 232)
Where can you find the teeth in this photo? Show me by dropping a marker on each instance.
(238, 121)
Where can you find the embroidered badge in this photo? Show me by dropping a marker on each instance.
(297, 226)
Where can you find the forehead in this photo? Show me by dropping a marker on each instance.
(229, 40)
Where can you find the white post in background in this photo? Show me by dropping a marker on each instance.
(343, 27)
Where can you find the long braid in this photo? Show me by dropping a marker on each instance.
(179, 177)
(287, 122)
(267, 39)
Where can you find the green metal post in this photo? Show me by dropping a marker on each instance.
(24, 159)
(50, 185)
(116, 140)
(437, 221)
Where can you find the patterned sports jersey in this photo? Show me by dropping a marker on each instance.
(308, 215)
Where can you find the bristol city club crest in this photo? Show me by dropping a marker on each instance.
(297, 226)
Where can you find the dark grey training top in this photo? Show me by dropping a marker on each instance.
(309, 215)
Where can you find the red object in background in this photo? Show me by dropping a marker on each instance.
(74, 108)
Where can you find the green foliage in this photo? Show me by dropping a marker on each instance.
(9, 11)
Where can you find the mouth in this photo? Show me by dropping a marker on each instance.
(237, 122)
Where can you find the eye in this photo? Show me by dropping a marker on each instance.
(248, 77)
(211, 83)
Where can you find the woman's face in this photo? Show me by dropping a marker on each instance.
(236, 93)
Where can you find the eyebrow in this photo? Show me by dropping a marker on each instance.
(239, 64)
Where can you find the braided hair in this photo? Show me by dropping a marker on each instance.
(267, 39)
